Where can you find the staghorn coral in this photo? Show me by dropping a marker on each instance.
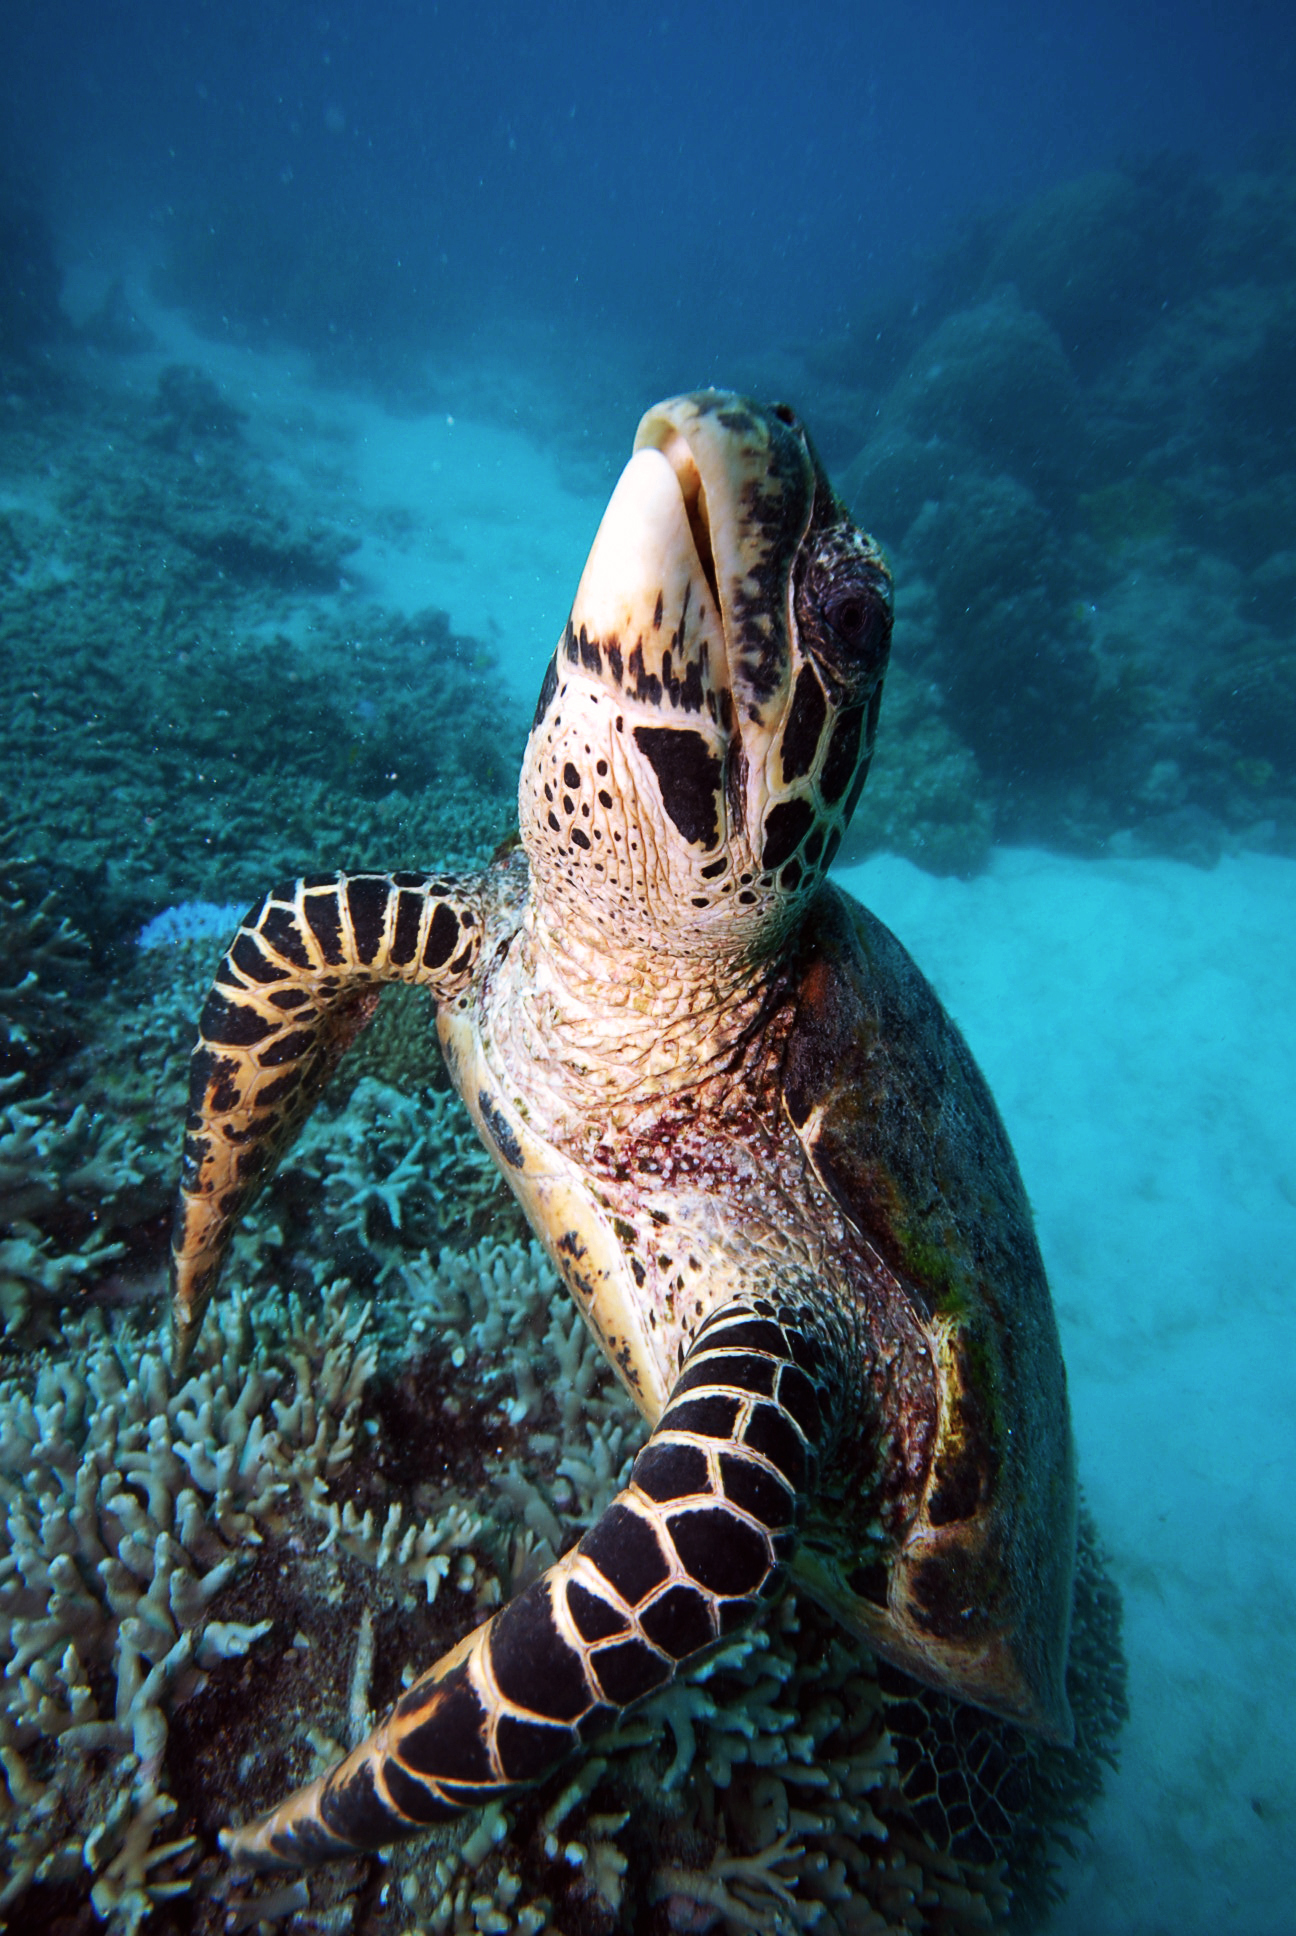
(206, 1590)
(148, 1526)
(43, 961)
(1078, 431)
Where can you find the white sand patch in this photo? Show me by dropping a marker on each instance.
(471, 518)
(1136, 1021)
(468, 516)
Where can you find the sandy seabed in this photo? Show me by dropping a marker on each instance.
(1137, 1024)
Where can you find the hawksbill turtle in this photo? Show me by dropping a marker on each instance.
(738, 1119)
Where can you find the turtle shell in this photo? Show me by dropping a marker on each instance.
(970, 1587)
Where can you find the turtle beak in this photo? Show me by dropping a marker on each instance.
(747, 479)
(646, 599)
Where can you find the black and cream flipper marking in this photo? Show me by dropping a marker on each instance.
(683, 1556)
(299, 981)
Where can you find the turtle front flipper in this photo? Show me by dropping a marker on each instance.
(300, 980)
(679, 1559)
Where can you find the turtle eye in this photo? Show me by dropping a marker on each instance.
(858, 617)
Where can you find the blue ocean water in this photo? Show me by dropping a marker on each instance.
(373, 298)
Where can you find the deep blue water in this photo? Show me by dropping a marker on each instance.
(704, 179)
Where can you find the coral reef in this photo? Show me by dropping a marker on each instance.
(207, 1587)
(1087, 410)
(262, 710)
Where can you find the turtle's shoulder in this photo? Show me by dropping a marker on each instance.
(898, 1119)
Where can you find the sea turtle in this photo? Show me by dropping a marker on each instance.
(740, 1123)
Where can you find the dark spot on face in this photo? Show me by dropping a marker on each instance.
(579, 838)
(874, 708)
(547, 691)
(951, 1594)
(571, 778)
(688, 776)
(843, 755)
(647, 686)
(554, 822)
(614, 659)
(658, 610)
(804, 725)
(589, 652)
(870, 1583)
(860, 617)
(786, 826)
(856, 788)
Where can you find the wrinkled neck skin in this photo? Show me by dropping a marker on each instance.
(600, 1024)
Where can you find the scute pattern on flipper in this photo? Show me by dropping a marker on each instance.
(656, 1581)
(298, 983)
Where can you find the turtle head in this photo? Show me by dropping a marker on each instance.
(706, 723)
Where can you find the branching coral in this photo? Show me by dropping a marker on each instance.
(130, 1504)
(148, 1527)
(43, 959)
